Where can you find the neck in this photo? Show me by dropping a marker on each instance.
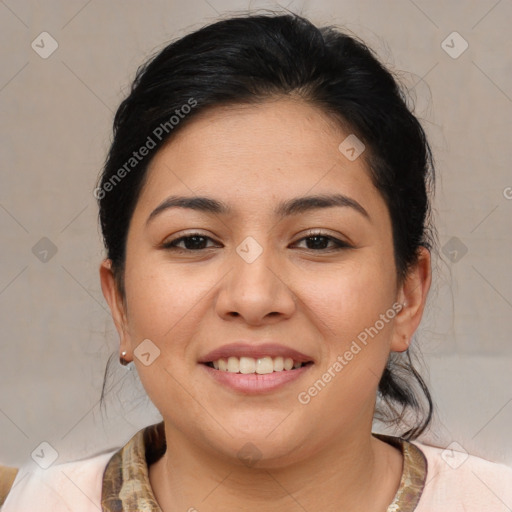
(360, 473)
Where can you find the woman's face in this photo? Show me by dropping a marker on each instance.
(256, 284)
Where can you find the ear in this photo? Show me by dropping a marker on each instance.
(116, 303)
(413, 293)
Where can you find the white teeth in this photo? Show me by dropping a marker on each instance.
(288, 363)
(264, 365)
(261, 366)
(247, 365)
(233, 364)
(278, 364)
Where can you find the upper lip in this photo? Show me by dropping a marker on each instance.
(241, 349)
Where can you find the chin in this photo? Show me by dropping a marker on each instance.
(258, 449)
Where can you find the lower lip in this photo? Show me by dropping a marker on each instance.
(253, 383)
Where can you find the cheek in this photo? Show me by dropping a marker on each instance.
(348, 309)
(352, 297)
(162, 300)
(164, 306)
(168, 306)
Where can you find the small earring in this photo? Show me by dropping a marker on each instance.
(122, 360)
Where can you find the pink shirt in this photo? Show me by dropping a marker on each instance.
(455, 482)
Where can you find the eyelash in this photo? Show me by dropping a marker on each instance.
(339, 244)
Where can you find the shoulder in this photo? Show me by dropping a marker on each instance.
(7, 477)
(72, 486)
(457, 481)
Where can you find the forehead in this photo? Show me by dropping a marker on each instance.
(254, 155)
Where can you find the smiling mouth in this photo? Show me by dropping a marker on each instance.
(259, 366)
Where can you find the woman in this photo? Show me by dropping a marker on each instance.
(265, 211)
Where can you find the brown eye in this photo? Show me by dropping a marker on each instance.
(320, 242)
(192, 242)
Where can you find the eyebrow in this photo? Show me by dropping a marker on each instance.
(286, 208)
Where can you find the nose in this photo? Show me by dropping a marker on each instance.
(255, 290)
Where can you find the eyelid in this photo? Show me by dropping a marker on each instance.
(317, 232)
(187, 234)
(339, 239)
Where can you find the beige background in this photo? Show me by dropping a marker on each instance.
(56, 121)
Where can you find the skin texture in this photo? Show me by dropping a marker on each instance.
(316, 300)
